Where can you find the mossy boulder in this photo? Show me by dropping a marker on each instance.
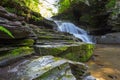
(76, 52)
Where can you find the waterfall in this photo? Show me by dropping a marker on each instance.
(73, 29)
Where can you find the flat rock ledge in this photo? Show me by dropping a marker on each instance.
(44, 68)
(76, 51)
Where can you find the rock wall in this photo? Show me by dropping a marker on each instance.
(12, 49)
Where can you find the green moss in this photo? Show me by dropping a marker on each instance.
(56, 58)
(21, 50)
(79, 52)
(16, 52)
(27, 42)
(50, 75)
(22, 42)
(26, 8)
(45, 37)
(53, 50)
(58, 50)
(36, 18)
(12, 10)
(31, 4)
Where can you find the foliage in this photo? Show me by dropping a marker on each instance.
(111, 4)
(6, 31)
(64, 5)
(29, 9)
(31, 4)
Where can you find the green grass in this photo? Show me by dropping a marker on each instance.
(3, 29)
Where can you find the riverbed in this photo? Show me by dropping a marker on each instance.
(105, 63)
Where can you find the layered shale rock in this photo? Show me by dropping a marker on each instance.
(11, 22)
(75, 51)
(12, 49)
(45, 68)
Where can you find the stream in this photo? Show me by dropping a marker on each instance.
(105, 64)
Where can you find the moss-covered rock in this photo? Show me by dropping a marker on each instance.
(9, 55)
(75, 52)
(29, 10)
(26, 42)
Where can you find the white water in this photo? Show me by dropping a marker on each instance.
(73, 29)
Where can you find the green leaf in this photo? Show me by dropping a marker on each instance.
(6, 31)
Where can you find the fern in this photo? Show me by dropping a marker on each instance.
(6, 31)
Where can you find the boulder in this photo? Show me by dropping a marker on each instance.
(110, 38)
(45, 68)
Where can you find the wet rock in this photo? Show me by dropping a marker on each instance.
(44, 68)
(89, 78)
(111, 38)
(75, 51)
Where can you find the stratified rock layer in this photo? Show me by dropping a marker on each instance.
(45, 68)
(76, 52)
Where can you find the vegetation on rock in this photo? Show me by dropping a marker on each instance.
(76, 52)
(6, 31)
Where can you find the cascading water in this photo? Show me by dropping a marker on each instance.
(72, 29)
